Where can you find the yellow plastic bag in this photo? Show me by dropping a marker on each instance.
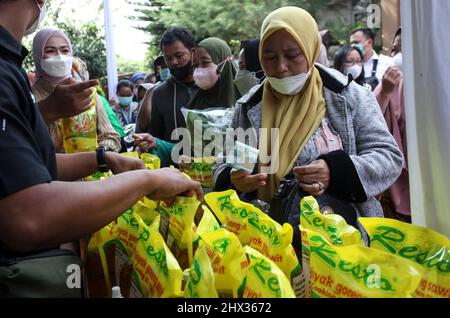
(228, 260)
(127, 235)
(423, 246)
(201, 282)
(100, 246)
(207, 224)
(201, 170)
(146, 209)
(258, 230)
(178, 232)
(156, 273)
(133, 154)
(332, 227)
(151, 161)
(98, 176)
(264, 279)
(80, 132)
(358, 272)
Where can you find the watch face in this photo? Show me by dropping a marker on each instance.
(101, 160)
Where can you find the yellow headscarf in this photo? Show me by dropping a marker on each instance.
(297, 116)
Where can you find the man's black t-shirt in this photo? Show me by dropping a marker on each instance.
(27, 156)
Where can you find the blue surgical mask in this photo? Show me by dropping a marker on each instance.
(360, 47)
(125, 101)
(165, 74)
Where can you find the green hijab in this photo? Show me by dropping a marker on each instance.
(224, 93)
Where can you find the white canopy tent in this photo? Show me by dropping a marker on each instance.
(425, 26)
(110, 50)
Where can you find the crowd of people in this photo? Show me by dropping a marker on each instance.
(341, 130)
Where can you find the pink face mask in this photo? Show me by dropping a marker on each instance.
(207, 77)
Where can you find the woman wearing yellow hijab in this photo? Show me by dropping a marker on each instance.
(314, 123)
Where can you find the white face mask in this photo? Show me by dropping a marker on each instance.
(36, 23)
(291, 85)
(398, 60)
(58, 66)
(355, 70)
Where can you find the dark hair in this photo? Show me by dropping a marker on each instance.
(399, 32)
(178, 34)
(341, 57)
(251, 51)
(159, 61)
(368, 33)
(124, 83)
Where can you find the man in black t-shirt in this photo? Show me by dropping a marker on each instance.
(177, 45)
(39, 207)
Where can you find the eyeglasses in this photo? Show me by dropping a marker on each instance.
(351, 62)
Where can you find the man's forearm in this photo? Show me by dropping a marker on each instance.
(49, 214)
(76, 166)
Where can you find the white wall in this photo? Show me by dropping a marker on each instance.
(426, 53)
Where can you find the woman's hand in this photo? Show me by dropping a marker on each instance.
(75, 96)
(172, 183)
(145, 142)
(391, 79)
(119, 164)
(314, 178)
(246, 182)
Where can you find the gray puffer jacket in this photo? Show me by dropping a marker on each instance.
(371, 160)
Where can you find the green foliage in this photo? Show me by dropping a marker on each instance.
(128, 66)
(341, 30)
(230, 20)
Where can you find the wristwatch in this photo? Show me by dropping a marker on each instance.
(101, 159)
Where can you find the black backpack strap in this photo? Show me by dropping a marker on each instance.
(374, 69)
(332, 83)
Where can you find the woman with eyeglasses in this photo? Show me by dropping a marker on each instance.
(349, 60)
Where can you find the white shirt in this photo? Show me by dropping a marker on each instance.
(384, 62)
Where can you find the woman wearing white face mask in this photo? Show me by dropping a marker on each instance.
(53, 59)
(332, 136)
(349, 60)
(214, 73)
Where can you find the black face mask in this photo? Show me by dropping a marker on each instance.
(158, 78)
(180, 73)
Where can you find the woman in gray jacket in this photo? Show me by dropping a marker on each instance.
(331, 133)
